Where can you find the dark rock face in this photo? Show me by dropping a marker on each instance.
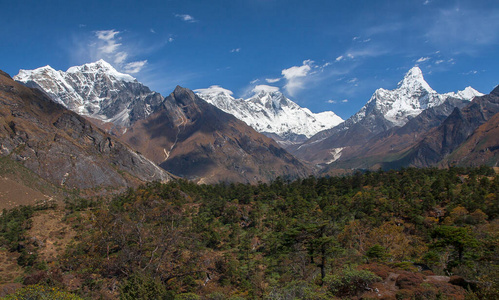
(63, 147)
(194, 139)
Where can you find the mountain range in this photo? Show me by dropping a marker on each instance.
(181, 133)
(268, 111)
(210, 136)
(385, 110)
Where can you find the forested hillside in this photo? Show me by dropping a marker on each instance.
(408, 234)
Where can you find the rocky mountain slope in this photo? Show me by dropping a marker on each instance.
(385, 110)
(268, 111)
(193, 139)
(387, 146)
(63, 147)
(454, 132)
(95, 90)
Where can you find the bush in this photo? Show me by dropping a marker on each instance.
(377, 252)
(139, 286)
(41, 292)
(349, 281)
(187, 296)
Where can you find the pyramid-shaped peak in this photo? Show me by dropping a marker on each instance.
(414, 80)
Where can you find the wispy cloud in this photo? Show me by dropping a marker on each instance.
(422, 59)
(108, 39)
(235, 50)
(134, 67)
(337, 101)
(273, 80)
(108, 45)
(186, 18)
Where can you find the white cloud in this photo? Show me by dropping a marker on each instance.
(106, 35)
(426, 2)
(422, 59)
(214, 89)
(108, 41)
(295, 76)
(254, 81)
(272, 80)
(472, 72)
(353, 80)
(339, 58)
(235, 50)
(186, 18)
(439, 61)
(336, 101)
(170, 40)
(134, 67)
(152, 30)
(265, 88)
(120, 57)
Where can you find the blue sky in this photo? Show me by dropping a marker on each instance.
(323, 54)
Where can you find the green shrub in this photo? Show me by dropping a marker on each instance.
(187, 296)
(349, 281)
(139, 286)
(377, 252)
(41, 292)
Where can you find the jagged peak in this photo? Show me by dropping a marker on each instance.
(26, 75)
(414, 80)
(101, 66)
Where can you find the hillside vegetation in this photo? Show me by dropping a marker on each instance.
(408, 234)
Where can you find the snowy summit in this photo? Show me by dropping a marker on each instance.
(270, 112)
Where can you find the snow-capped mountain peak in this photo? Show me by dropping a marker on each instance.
(102, 67)
(95, 89)
(467, 93)
(270, 97)
(414, 80)
(396, 107)
(270, 112)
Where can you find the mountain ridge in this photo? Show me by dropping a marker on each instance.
(63, 147)
(268, 111)
(385, 109)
